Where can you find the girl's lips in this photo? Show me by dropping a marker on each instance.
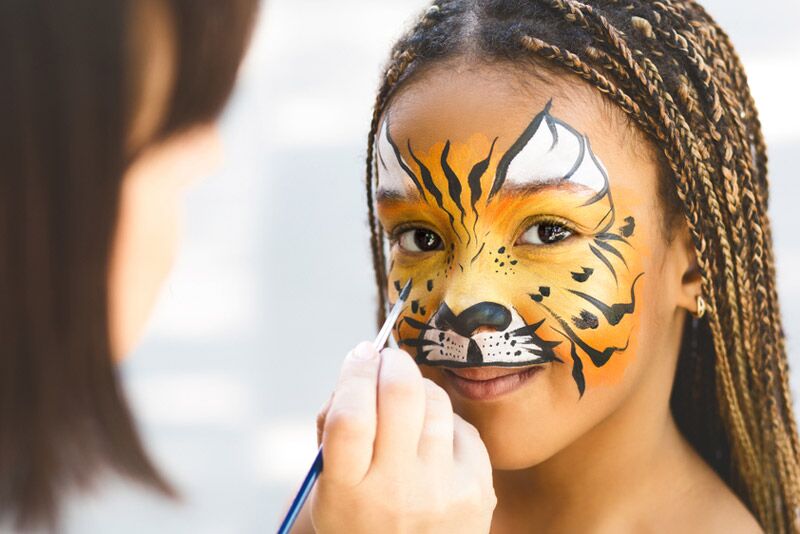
(485, 383)
(480, 374)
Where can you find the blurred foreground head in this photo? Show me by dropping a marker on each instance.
(108, 109)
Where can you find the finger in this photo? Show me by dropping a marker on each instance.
(469, 449)
(436, 441)
(349, 432)
(321, 415)
(401, 409)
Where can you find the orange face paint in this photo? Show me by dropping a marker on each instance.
(516, 249)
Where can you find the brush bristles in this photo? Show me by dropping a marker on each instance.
(406, 290)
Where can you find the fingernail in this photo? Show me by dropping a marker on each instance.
(364, 351)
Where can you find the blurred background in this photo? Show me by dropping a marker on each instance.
(274, 280)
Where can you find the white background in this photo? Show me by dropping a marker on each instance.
(274, 283)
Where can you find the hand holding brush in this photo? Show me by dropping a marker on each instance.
(396, 457)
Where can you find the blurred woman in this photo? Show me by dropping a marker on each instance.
(108, 110)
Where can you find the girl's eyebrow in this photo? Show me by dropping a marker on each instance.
(534, 188)
(393, 195)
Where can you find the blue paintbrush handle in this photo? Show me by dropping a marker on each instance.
(302, 495)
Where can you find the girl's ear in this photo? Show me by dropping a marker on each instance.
(691, 278)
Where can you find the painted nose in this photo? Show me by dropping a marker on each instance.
(482, 314)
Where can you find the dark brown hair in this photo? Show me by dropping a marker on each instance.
(674, 74)
(64, 81)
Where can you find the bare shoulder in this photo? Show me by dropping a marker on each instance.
(691, 497)
(717, 509)
(729, 515)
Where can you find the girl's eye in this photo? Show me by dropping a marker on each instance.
(544, 233)
(420, 240)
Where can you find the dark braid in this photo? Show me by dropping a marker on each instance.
(674, 73)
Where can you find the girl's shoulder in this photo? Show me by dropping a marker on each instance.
(717, 509)
(729, 515)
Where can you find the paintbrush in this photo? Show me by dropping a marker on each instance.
(316, 467)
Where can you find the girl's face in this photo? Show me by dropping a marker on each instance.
(543, 297)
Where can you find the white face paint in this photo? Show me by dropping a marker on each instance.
(393, 171)
(516, 345)
(551, 151)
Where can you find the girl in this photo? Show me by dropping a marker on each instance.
(108, 110)
(579, 193)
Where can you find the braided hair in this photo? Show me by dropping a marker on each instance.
(675, 75)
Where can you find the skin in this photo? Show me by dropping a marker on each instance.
(148, 224)
(149, 228)
(605, 457)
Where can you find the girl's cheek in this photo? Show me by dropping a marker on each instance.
(426, 294)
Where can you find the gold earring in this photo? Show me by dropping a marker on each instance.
(701, 307)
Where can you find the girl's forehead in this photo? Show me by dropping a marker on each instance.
(462, 105)
(456, 103)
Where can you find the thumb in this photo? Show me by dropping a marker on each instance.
(321, 416)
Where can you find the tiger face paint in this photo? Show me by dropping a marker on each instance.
(517, 250)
